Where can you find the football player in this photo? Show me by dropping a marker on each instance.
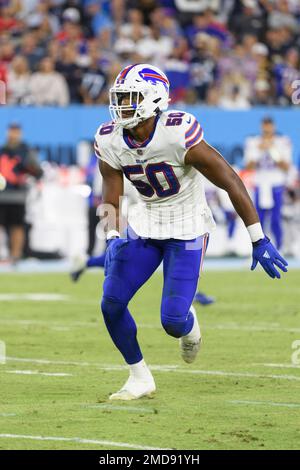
(163, 153)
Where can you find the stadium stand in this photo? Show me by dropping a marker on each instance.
(228, 53)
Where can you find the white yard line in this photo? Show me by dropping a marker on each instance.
(159, 368)
(34, 297)
(233, 327)
(5, 415)
(46, 361)
(278, 366)
(36, 372)
(48, 324)
(266, 403)
(80, 440)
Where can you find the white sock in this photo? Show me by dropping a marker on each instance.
(194, 334)
(140, 370)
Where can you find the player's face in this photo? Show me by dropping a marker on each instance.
(14, 135)
(268, 129)
(131, 101)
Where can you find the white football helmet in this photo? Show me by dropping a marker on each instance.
(145, 90)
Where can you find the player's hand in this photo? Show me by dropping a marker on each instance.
(112, 247)
(266, 254)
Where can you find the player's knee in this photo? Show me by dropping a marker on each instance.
(112, 308)
(115, 300)
(173, 328)
(174, 313)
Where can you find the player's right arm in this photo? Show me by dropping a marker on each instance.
(211, 164)
(112, 192)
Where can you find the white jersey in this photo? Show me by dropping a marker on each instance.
(172, 201)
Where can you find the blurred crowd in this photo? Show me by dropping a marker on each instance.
(228, 53)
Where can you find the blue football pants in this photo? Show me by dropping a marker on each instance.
(132, 265)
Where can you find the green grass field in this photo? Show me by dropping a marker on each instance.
(241, 393)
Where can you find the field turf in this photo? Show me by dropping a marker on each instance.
(241, 393)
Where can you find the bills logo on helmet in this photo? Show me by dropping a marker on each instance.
(150, 75)
(123, 74)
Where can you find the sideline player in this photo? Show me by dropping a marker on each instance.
(163, 154)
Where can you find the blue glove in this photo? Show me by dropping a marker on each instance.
(267, 255)
(112, 247)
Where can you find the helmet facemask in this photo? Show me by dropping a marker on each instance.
(125, 107)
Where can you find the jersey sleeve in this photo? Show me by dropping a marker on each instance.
(104, 150)
(193, 131)
(187, 133)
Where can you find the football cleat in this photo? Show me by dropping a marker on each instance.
(203, 299)
(190, 344)
(78, 267)
(135, 388)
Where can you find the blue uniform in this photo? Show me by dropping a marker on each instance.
(132, 265)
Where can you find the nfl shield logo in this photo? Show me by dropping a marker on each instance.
(140, 152)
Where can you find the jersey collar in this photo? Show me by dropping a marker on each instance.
(133, 144)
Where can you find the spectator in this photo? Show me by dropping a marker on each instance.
(206, 22)
(262, 93)
(93, 81)
(177, 70)
(285, 74)
(189, 8)
(72, 72)
(270, 155)
(71, 30)
(234, 98)
(18, 82)
(203, 68)
(282, 17)
(48, 87)
(98, 19)
(7, 52)
(251, 20)
(155, 48)
(31, 50)
(279, 41)
(146, 7)
(41, 12)
(8, 21)
(134, 21)
(16, 162)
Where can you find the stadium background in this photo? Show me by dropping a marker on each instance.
(231, 63)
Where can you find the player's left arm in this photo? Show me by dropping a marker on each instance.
(214, 167)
